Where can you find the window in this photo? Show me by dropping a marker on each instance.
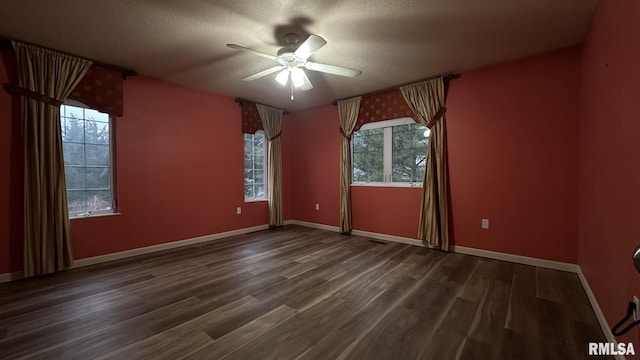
(87, 137)
(389, 152)
(255, 166)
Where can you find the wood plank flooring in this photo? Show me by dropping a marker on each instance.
(298, 293)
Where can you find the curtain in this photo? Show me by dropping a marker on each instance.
(49, 75)
(427, 101)
(348, 112)
(272, 123)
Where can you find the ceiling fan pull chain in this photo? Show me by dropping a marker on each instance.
(291, 82)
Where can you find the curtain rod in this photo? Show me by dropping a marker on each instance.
(447, 78)
(241, 100)
(5, 44)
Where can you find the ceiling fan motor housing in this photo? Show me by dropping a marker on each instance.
(286, 55)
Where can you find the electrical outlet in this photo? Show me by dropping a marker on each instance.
(635, 312)
(238, 210)
(317, 206)
(485, 223)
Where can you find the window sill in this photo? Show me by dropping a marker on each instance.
(93, 216)
(253, 201)
(388, 185)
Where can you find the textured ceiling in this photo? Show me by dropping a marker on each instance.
(392, 42)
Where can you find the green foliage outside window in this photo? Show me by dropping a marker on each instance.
(407, 147)
(254, 166)
(87, 159)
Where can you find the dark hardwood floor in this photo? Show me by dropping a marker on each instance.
(298, 293)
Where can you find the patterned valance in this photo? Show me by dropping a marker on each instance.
(250, 118)
(380, 107)
(100, 89)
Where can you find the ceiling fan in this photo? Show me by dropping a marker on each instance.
(292, 61)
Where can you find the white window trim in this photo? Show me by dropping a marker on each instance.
(387, 160)
(264, 171)
(112, 167)
(92, 214)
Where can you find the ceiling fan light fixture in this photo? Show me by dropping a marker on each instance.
(297, 75)
(293, 63)
(283, 77)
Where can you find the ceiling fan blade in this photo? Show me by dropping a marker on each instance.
(255, 52)
(332, 69)
(310, 46)
(263, 73)
(306, 85)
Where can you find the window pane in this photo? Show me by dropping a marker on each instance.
(259, 192)
(87, 156)
(75, 201)
(97, 178)
(408, 154)
(248, 191)
(91, 114)
(248, 176)
(258, 162)
(97, 154)
(74, 177)
(73, 153)
(368, 155)
(259, 176)
(73, 112)
(254, 164)
(96, 132)
(98, 200)
(248, 162)
(259, 148)
(72, 129)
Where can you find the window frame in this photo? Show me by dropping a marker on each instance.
(265, 169)
(112, 165)
(387, 154)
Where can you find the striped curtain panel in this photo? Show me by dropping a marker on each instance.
(45, 78)
(272, 123)
(348, 112)
(427, 101)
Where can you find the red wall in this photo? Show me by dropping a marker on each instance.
(313, 154)
(609, 205)
(388, 210)
(11, 175)
(179, 171)
(513, 149)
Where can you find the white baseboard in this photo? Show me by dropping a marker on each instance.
(548, 264)
(144, 250)
(312, 225)
(369, 234)
(543, 263)
(385, 237)
(170, 245)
